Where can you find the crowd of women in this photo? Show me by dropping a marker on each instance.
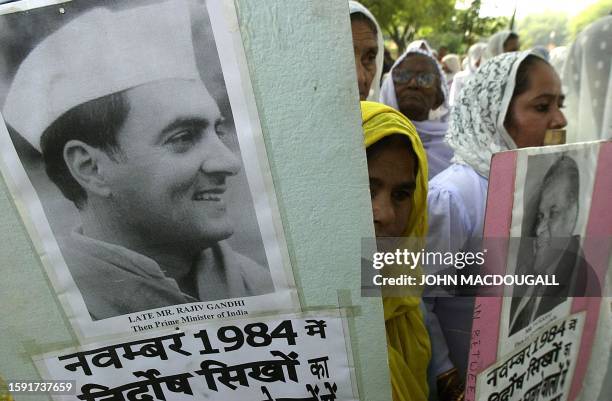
(430, 130)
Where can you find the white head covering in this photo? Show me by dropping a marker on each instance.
(475, 54)
(476, 129)
(558, 55)
(495, 46)
(420, 44)
(587, 79)
(541, 51)
(473, 60)
(453, 64)
(356, 7)
(387, 92)
(99, 53)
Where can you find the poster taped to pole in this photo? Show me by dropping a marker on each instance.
(133, 150)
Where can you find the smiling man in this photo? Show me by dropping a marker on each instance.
(130, 134)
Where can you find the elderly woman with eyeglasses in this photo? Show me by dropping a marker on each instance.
(416, 86)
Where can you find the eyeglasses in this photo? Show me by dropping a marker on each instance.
(423, 79)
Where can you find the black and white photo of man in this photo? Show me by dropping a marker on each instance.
(132, 137)
(553, 248)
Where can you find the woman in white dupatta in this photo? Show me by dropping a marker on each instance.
(452, 66)
(587, 78)
(508, 103)
(416, 86)
(502, 42)
(369, 69)
(474, 58)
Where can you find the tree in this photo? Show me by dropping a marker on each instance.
(402, 19)
(544, 29)
(464, 28)
(590, 14)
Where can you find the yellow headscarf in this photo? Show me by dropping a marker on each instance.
(408, 343)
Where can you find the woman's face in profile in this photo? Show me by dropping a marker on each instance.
(537, 109)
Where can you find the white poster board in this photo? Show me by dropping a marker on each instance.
(175, 238)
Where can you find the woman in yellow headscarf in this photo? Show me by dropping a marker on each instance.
(397, 168)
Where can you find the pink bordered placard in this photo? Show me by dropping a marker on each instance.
(507, 194)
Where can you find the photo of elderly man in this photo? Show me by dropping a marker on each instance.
(129, 133)
(554, 249)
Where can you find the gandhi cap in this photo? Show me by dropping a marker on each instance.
(99, 53)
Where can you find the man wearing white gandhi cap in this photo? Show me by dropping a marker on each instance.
(130, 134)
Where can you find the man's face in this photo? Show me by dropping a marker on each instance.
(365, 47)
(556, 219)
(392, 183)
(168, 185)
(557, 212)
(415, 99)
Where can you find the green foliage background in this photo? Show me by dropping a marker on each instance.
(590, 14)
(403, 21)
